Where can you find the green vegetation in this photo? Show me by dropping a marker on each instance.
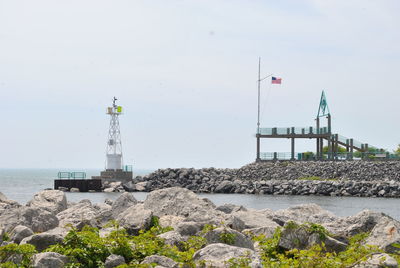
(227, 238)
(10, 252)
(316, 256)
(341, 149)
(397, 151)
(315, 178)
(86, 248)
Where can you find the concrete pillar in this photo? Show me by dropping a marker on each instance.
(275, 156)
(292, 151)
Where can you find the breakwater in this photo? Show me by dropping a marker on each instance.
(46, 232)
(342, 178)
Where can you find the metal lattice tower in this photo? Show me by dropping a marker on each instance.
(114, 145)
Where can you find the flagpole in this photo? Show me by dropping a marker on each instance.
(259, 92)
(259, 81)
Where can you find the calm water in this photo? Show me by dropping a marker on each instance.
(20, 185)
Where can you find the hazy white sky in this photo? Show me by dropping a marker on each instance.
(185, 72)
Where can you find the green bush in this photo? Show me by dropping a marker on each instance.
(24, 252)
(86, 248)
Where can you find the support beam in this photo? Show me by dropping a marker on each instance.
(321, 149)
(329, 148)
(318, 140)
(351, 149)
(329, 123)
(336, 146)
(292, 151)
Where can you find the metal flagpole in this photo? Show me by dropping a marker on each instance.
(259, 85)
(259, 81)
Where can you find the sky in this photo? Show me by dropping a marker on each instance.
(186, 72)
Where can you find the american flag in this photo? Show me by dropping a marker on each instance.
(276, 80)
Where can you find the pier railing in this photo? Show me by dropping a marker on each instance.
(292, 130)
(71, 175)
(378, 155)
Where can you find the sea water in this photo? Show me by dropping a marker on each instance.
(21, 184)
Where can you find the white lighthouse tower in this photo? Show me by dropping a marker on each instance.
(114, 159)
(115, 170)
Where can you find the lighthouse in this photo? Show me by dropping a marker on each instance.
(114, 159)
(115, 170)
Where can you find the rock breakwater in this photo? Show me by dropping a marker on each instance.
(341, 178)
(174, 227)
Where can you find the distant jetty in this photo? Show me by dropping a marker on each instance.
(324, 178)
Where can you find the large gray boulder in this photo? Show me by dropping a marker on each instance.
(303, 213)
(37, 219)
(189, 228)
(255, 219)
(123, 202)
(172, 238)
(54, 201)
(230, 237)
(49, 260)
(384, 234)
(229, 208)
(225, 187)
(170, 221)
(114, 260)
(135, 218)
(104, 212)
(59, 231)
(296, 236)
(362, 222)
(160, 260)
(19, 233)
(181, 202)
(267, 231)
(176, 201)
(79, 215)
(378, 260)
(217, 218)
(42, 241)
(6, 204)
(217, 255)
